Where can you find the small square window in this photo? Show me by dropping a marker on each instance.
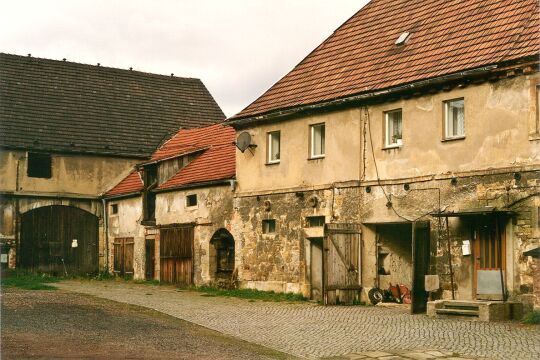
(39, 165)
(393, 125)
(274, 144)
(191, 200)
(269, 226)
(317, 135)
(114, 209)
(454, 119)
(315, 221)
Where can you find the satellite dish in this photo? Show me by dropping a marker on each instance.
(244, 141)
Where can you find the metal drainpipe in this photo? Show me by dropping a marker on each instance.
(106, 228)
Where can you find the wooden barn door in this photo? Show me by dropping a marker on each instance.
(123, 256)
(176, 255)
(59, 239)
(341, 263)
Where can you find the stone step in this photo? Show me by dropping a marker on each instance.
(466, 305)
(457, 312)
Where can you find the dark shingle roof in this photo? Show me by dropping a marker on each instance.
(61, 106)
(446, 37)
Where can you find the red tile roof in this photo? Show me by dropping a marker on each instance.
(129, 185)
(215, 162)
(446, 37)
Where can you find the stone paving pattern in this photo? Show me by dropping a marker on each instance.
(312, 331)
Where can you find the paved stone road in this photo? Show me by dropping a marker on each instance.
(312, 331)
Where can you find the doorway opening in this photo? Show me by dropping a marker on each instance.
(222, 257)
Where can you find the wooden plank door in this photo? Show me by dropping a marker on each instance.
(59, 239)
(420, 268)
(176, 255)
(150, 259)
(341, 263)
(490, 255)
(316, 268)
(123, 256)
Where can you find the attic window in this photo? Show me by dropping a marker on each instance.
(39, 165)
(402, 38)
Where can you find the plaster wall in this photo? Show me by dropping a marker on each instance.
(341, 162)
(213, 212)
(71, 174)
(127, 224)
(500, 119)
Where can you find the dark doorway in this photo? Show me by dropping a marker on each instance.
(176, 255)
(420, 256)
(123, 257)
(59, 239)
(150, 259)
(223, 243)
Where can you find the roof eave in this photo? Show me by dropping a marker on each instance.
(224, 181)
(281, 114)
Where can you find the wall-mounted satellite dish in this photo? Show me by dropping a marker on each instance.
(243, 141)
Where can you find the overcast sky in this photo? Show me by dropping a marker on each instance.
(239, 48)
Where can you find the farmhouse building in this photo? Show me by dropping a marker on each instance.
(69, 133)
(169, 220)
(406, 144)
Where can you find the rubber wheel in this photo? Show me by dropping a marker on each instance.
(375, 296)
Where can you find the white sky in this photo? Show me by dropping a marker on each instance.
(239, 48)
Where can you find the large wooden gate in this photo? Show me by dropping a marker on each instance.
(59, 239)
(176, 255)
(341, 263)
(123, 256)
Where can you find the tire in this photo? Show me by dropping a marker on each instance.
(375, 296)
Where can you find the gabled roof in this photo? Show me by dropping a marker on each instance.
(131, 184)
(216, 162)
(446, 37)
(215, 159)
(61, 106)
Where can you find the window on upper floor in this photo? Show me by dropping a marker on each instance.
(393, 128)
(114, 209)
(191, 200)
(269, 226)
(39, 165)
(317, 135)
(454, 119)
(273, 147)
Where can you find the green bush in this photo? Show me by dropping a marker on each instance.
(532, 318)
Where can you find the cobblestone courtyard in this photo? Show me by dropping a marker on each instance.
(312, 331)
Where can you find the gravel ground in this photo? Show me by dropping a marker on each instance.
(59, 324)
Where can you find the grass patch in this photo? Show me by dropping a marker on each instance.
(28, 281)
(251, 294)
(532, 318)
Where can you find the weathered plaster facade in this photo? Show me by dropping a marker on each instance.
(478, 170)
(212, 212)
(76, 181)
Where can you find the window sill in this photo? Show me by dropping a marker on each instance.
(453, 138)
(272, 163)
(148, 222)
(533, 137)
(390, 147)
(320, 157)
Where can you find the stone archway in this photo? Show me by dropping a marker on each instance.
(59, 239)
(222, 253)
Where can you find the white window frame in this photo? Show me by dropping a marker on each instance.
(312, 154)
(448, 125)
(387, 136)
(269, 148)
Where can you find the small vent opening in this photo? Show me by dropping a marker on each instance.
(402, 38)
